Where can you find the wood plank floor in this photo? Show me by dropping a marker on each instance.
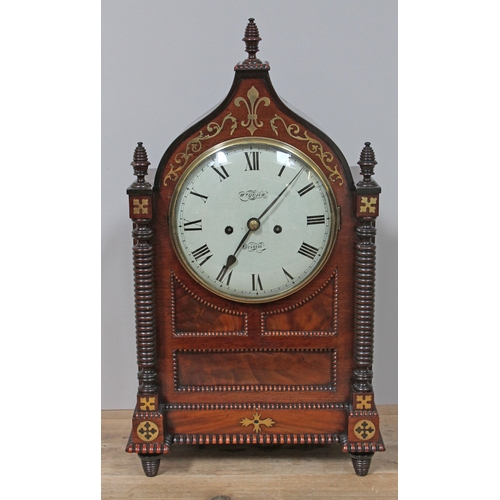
(285, 472)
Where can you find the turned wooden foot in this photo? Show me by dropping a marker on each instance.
(361, 462)
(150, 464)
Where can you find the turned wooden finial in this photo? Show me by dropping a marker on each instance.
(252, 39)
(367, 163)
(140, 164)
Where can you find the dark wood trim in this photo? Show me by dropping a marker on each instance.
(364, 286)
(145, 322)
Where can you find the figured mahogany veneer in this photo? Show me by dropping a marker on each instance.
(241, 370)
(192, 314)
(297, 369)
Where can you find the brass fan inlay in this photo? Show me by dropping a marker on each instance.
(257, 422)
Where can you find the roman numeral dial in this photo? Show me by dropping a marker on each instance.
(202, 254)
(252, 160)
(315, 219)
(306, 189)
(221, 172)
(253, 220)
(308, 250)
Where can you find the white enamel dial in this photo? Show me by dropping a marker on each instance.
(253, 220)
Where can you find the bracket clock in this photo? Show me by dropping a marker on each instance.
(254, 266)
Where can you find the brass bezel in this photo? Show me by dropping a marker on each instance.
(273, 143)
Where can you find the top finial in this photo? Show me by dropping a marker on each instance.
(252, 40)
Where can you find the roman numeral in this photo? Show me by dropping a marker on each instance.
(223, 175)
(256, 283)
(306, 189)
(202, 196)
(222, 274)
(253, 160)
(315, 219)
(196, 225)
(308, 250)
(201, 252)
(282, 170)
(289, 277)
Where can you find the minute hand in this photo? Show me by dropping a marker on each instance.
(279, 196)
(232, 258)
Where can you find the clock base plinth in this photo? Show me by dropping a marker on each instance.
(361, 460)
(150, 464)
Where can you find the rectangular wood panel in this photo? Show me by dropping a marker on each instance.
(298, 368)
(256, 422)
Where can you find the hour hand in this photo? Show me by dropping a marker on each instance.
(253, 224)
(230, 261)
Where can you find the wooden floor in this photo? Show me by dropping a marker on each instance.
(193, 472)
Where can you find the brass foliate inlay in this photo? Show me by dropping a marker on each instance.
(364, 402)
(252, 123)
(364, 429)
(140, 206)
(195, 146)
(368, 205)
(256, 422)
(148, 403)
(313, 146)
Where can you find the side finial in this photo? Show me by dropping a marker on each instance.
(252, 40)
(140, 165)
(367, 163)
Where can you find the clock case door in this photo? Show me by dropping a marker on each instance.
(295, 370)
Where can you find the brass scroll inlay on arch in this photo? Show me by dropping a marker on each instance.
(194, 147)
(313, 146)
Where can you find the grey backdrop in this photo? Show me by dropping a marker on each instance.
(165, 63)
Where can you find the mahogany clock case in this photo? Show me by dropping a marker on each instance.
(293, 370)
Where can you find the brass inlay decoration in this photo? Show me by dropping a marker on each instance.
(364, 429)
(140, 206)
(363, 402)
(147, 431)
(256, 422)
(252, 122)
(368, 205)
(194, 146)
(147, 403)
(313, 146)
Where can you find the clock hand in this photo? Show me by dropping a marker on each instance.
(279, 196)
(232, 258)
(254, 224)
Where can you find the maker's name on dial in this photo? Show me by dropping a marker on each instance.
(254, 247)
(253, 194)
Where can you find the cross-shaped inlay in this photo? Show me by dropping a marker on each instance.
(368, 205)
(148, 403)
(363, 402)
(141, 206)
(147, 431)
(364, 430)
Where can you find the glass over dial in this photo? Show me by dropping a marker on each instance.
(253, 220)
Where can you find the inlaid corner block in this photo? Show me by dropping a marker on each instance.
(367, 205)
(140, 207)
(147, 433)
